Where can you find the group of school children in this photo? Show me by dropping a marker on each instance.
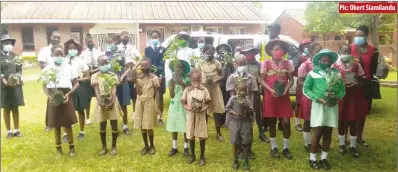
(237, 93)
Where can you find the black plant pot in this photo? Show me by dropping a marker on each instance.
(331, 99)
(14, 80)
(279, 87)
(58, 99)
(105, 99)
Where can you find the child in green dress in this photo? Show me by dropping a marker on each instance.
(176, 121)
(324, 86)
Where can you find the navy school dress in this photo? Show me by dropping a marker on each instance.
(123, 90)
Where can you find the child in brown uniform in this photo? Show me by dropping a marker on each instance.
(111, 110)
(146, 86)
(240, 113)
(196, 100)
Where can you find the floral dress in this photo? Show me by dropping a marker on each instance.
(196, 125)
(145, 113)
(176, 120)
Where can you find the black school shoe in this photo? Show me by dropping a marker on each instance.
(103, 151)
(314, 164)
(342, 149)
(9, 135)
(324, 164)
(287, 154)
(202, 161)
(186, 152)
(173, 152)
(307, 147)
(299, 128)
(192, 159)
(363, 142)
(144, 150)
(275, 153)
(152, 151)
(71, 153)
(17, 134)
(354, 152)
(80, 136)
(126, 131)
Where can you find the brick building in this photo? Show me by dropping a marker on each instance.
(32, 23)
(293, 23)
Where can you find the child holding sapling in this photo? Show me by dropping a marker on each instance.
(108, 107)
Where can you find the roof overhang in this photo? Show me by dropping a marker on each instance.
(26, 21)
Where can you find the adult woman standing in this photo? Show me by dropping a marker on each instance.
(11, 93)
(368, 57)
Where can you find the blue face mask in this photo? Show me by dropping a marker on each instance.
(306, 51)
(201, 45)
(111, 48)
(360, 40)
(105, 68)
(72, 53)
(154, 42)
(58, 60)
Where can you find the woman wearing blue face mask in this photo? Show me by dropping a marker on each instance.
(368, 57)
(199, 50)
(155, 52)
(11, 91)
(80, 97)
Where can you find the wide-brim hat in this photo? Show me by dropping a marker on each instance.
(250, 48)
(284, 45)
(304, 42)
(325, 52)
(71, 41)
(8, 38)
(185, 64)
(228, 48)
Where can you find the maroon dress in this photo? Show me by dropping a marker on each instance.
(305, 102)
(274, 107)
(350, 107)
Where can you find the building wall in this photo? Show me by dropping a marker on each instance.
(292, 28)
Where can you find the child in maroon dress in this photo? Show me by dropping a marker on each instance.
(350, 106)
(305, 107)
(276, 74)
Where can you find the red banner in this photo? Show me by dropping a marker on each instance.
(367, 7)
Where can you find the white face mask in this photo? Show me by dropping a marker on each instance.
(242, 69)
(8, 48)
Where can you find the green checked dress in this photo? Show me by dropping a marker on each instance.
(176, 120)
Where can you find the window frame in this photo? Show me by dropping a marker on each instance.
(27, 44)
(215, 27)
(238, 27)
(179, 29)
(77, 29)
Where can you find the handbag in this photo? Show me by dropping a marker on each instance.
(372, 86)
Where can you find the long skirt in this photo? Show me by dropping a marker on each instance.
(11, 97)
(63, 115)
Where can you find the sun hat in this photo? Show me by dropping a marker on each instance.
(8, 38)
(228, 48)
(325, 52)
(284, 45)
(185, 64)
(250, 48)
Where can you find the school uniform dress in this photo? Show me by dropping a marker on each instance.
(305, 103)
(315, 86)
(91, 58)
(122, 90)
(176, 119)
(251, 82)
(299, 88)
(274, 107)
(156, 55)
(209, 69)
(185, 53)
(11, 97)
(240, 125)
(130, 52)
(350, 107)
(145, 106)
(101, 115)
(80, 96)
(196, 125)
(62, 115)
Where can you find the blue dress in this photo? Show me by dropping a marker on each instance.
(123, 90)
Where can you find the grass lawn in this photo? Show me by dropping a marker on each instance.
(36, 150)
(392, 76)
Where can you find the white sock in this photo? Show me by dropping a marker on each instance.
(297, 121)
(285, 143)
(342, 140)
(125, 126)
(313, 156)
(81, 132)
(324, 155)
(174, 144)
(88, 120)
(186, 145)
(65, 134)
(307, 138)
(353, 141)
(273, 143)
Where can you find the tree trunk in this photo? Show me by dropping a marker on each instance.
(373, 31)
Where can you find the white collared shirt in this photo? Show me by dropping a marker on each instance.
(45, 55)
(65, 74)
(197, 52)
(130, 51)
(91, 56)
(79, 64)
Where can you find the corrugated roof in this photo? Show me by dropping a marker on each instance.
(73, 11)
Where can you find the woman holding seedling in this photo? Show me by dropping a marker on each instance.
(11, 85)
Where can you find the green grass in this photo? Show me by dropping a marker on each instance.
(36, 150)
(392, 76)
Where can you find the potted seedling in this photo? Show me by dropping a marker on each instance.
(228, 58)
(196, 104)
(330, 94)
(56, 96)
(15, 78)
(279, 85)
(109, 82)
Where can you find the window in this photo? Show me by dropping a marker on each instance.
(349, 39)
(76, 33)
(313, 38)
(236, 30)
(178, 30)
(337, 37)
(218, 30)
(27, 39)
(149, 30)
(50, 30)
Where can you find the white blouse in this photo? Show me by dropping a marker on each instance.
(130, 51)
(91, 56)
(79, 64)
(65, 74)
